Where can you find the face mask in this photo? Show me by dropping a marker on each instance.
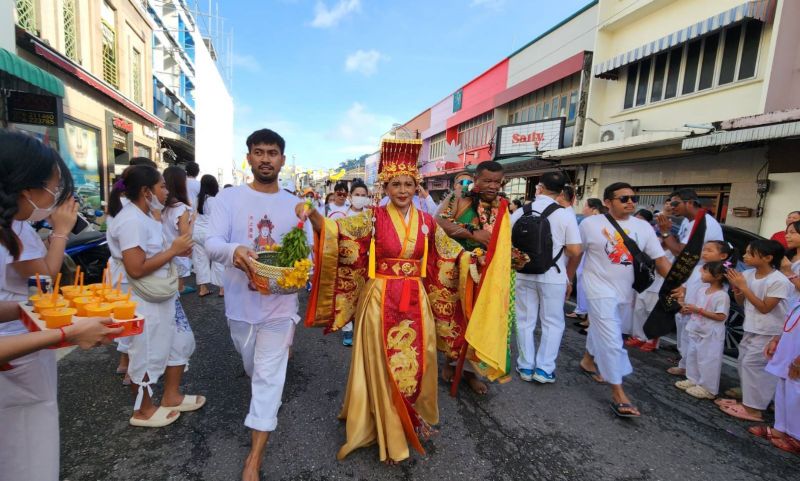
(154, 204)
(360, 202)
(40, 213)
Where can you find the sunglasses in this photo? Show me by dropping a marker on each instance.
(341, 194)
(625, 198)
(676, 203)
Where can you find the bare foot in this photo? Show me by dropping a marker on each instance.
(478, 386)
(391, 462)
(448, 371)
(203, 291)
(172, 401)
(620, 397)
(147, 413)
(251, 469)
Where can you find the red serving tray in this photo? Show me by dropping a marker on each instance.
(32, 321)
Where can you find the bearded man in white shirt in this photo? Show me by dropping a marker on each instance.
(608, 276)
(246, 219)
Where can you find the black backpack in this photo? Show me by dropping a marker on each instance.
(531, 235)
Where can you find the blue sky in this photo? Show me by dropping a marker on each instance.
(332, 75)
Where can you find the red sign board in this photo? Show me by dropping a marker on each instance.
(123, 124)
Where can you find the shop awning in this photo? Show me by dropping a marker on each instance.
(519, 163)
(743, 136)
(12, 64)
(762, 10)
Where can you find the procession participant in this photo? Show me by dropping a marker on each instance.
(391, 270)
(540, 296)
(359, 200)
(338, 208)
(472, 220)
(175, 218)
(35, 185)
(192, 184)
(686, 203)
(591, 207)
(262, 326)
(206, 272)
(422, 201)
(160, 349)
(780, 236)
(608, 277)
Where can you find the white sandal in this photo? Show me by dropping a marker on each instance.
(159, 419)
(191, 402)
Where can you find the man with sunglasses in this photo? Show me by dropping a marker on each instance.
(685, 203)
(338, 209)
(608, 279)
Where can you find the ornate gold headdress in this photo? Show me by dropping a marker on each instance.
(399, 157)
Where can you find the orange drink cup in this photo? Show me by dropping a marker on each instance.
(116, 296)
(98, 309)
(124, 310)
(80, 303)
(48, 303)
(71, 292)
(59, 317)
(99, 286)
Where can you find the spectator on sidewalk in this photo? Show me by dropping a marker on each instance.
(791, 218)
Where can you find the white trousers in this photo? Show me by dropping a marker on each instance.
(704, 342)
(29, 436)
(642, 307)
(758, 386)
(167, 340)
(680, 337)
(206, 272)
(265, 353)
(537, 301)
(581, 306)
(787, 407)
(604, 339)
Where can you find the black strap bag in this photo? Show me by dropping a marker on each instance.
(644, 268)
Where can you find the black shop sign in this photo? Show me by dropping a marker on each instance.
(34, 109)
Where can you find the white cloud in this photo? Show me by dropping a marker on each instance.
(246, 62)
(325, 17)
(359, 126)
(364, 62)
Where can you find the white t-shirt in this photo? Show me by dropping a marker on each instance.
(133, 228)
(718, 302)
(608, 266)
(12, 286)
(115, 261)
(243, 216)
(775, 284)
(337, 211)
(713, 230)
(202, 220)
(192, 189)
(564, 229)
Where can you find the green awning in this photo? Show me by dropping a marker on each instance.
(24, 70)
(519, 162)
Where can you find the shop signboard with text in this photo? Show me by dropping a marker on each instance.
(530, 137)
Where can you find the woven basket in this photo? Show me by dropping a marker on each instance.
(267, 275)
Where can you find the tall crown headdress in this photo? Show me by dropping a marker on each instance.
(399, 157)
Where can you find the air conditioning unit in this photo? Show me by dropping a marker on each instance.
(619, 130)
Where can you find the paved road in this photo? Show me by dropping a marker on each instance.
(564, 431)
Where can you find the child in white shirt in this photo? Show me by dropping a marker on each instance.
(765, 294)
(707, 310)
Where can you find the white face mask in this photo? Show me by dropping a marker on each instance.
(153, 203)
(359, 203)
(40, 213)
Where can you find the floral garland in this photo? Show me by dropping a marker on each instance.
(487, 214)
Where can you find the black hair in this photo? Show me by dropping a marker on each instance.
(358, 183)
(341, 185)
(646, 214)
(25, 163)
(608, 193)
(143, 161)
(685, 194)
(554, 181)
(227, 185)
(489, 165)
(731, 253)
(790, 253)
(130, 183)
(517, 202)
(209, 187)
(192, 169)
(569, 193)
(717, 269)
(768, 247)
(265, 136)
(175, 178)
(596, 204)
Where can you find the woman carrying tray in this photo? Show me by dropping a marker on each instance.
(390, 270)
(147, 262)
(35, 184)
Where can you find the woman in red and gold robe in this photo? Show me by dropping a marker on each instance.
(392, 271)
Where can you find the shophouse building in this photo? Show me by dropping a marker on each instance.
(682, 95)
(90, 61)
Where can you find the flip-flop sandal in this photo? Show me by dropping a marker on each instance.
(739, 412)
(617, 407)
(725, 402)
(583, 332)
(191, 402)
(734, 392)
(159, 419)
(763, 431)
(676, 371)
(787, 444)
(593, 375)
(572, 315)
(122, 370)
(204, 295)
